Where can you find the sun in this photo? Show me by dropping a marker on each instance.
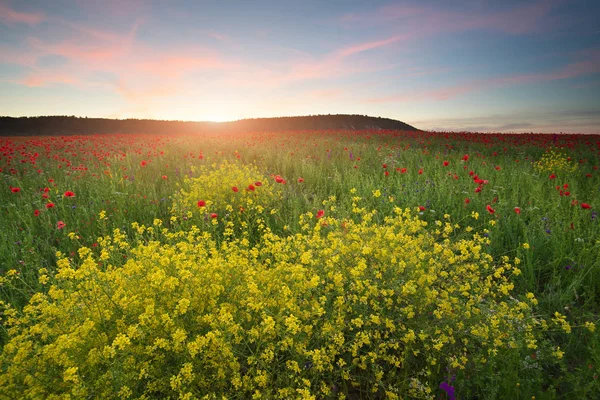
(217, 118)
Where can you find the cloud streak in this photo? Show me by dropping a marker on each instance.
(10, 16)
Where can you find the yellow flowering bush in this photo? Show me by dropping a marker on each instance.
(229, 187)
(342, 309)
(553, 161)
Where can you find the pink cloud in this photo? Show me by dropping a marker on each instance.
(43, 79)
(358, 48)
(176, 65)
(10, 16)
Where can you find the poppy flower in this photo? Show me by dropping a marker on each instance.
(490, 209)
(553, 176)
(446, 163)
(60, 225)
(143, 163)
(422, 208)
(320, 214)
(279, 179)
(403, 171)
(497, 168)
(257, 184)
(50, 205)
(517, 210)
(387, 173)
(36, 213)
(213, 215)
(235, 189)
(251, 187)
(384, 166)
(467, 200)
(465, 157)
(421, 171)
(585, 206)
(164, 177)
(201, 203)
(68, 193)
(15, 189)
(44, 196)
(478, 189)
(300, 180)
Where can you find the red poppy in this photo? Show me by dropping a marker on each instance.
(201, 203)
(446, 163)
(320, 213)
(517, 210)
(553, 176)
(36, 213)
(490, 209)
(15, 189)
(60, 225)
(300, 180)
(467, 201)
(46, 189)
(68, 193)
(387, 173)
(585, 206)
(421, 171)
(478, 189)
(422, 208)
(235, 189)
(143, 163)
(251, 187)
(44, 196)
(50, 205)
(497, 168)
(465, 157)
(279, 179)
(257, 184)
(384, 166)
(164, 177)
(213, 215)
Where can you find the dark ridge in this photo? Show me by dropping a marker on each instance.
(71, 125)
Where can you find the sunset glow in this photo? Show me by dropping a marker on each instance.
(476, 65)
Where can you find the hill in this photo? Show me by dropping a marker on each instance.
(70, 125)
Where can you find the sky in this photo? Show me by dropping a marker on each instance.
(477, 65)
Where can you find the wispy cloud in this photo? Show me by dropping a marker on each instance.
(11, 16)
(573, 121)
(423, 20)
(572, 70)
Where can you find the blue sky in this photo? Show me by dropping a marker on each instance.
(448, 65)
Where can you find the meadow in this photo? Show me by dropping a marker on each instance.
(314, 265)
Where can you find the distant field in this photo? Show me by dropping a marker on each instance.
(314, 264)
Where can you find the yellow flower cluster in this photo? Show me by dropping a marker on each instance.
(343, 304)
(553, 161)
(231, 188)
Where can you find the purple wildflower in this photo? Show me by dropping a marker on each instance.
(446, 387)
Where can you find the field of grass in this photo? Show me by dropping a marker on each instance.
(300, 265)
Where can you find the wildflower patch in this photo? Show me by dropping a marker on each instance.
(342, 305)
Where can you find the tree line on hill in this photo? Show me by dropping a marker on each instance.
(71, 125)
